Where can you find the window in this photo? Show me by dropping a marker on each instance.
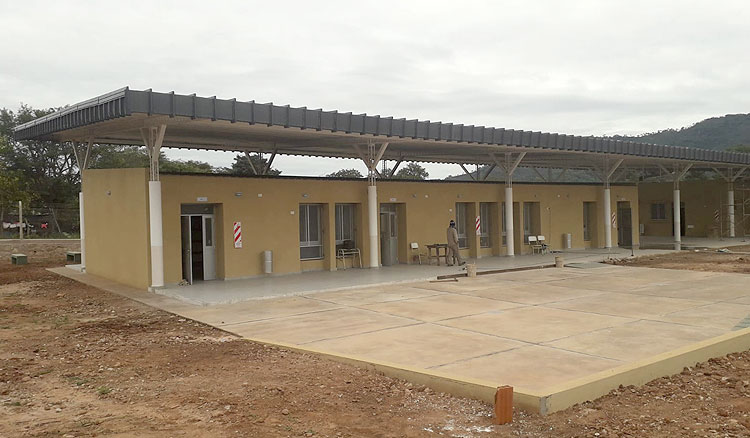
(588, 212)
(658, 211)
(505, 234)
(310, 246)
(345, 224)
(484, 225)
(463, 241)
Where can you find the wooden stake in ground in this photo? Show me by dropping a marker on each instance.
(504, 405)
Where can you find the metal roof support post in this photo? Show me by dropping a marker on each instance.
(607, 173)
(269, 163)
(509, 164)
(153, 137)
(250, 162)
(82, 160)
(676, 208)
(730, 177)
(371, 160)
(466, 171)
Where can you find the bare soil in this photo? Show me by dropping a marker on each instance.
(76, 361)
(737, 260)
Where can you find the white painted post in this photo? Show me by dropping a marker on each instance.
(82, 231)
(155, 231)
(677, 219)
(607, 218)
(510, 247)
(372, 225)
(730, 209)
(20, 220)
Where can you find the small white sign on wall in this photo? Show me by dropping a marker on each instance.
(202, 199)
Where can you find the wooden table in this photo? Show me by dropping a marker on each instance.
(437, 247)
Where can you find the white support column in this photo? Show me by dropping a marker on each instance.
(153, 138)
(730, 209)
(509, 242)
(509, 165)
(82, 160)
(607, 219)
(155, 230)
(371, 160)
(82, 230)
(372, 224)
(676, 217)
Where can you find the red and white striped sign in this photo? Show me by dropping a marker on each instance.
(614, 220)
(238, 234)
(479, 225)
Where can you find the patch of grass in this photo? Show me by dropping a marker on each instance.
(43, 372)
(103, 390)
(77, 380)
(60, 320)
(15, 403)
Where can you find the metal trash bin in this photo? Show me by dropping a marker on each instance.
(568, 240)
(268, 261)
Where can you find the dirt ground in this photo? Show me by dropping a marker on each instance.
(76, 361)
(736, 260)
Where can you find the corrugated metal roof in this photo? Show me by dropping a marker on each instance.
(125, 102)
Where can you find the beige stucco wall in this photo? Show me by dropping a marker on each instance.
(268, 209)
(116, 218)
(701, 198)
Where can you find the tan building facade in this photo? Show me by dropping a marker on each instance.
(704, 207)
(303, 221)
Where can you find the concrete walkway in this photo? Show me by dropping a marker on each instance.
(233, 291)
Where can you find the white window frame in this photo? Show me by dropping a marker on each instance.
(463, 241)
(304, 239)
(343, 232)
(485, 221)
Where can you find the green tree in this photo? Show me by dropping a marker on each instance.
(345, 173)
(241, 166)
(412, 171)
(740, 148)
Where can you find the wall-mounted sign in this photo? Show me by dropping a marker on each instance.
(393, 199)
(238, 234)
(202, 199)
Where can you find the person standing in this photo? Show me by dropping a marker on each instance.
(453, 255)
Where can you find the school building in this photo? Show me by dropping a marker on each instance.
(147, 229)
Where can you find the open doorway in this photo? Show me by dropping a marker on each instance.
(682, 218)
(198, 242)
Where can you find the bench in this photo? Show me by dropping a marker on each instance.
(73, 256)
(18, 259)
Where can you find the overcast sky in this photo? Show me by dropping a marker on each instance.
(575, 67)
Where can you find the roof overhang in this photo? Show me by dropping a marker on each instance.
(230, 125)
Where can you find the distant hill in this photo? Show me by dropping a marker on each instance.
(715, 133)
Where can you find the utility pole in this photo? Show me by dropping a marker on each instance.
(20, 219)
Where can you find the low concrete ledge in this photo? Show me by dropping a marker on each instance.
(643, 371)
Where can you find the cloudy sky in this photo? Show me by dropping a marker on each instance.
(576, 67)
